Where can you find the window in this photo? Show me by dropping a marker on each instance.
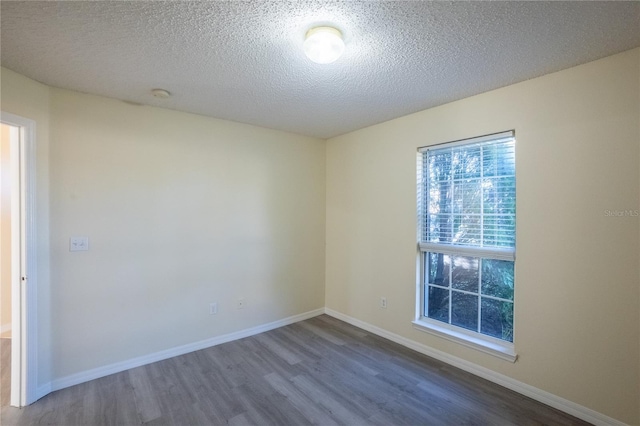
(467, 213)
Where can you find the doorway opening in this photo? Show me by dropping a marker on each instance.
(18, 261)
(9, 143)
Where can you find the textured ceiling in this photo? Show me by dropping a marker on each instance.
(243, 61)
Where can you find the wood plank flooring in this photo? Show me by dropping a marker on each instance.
(5, 372)
(320, 371)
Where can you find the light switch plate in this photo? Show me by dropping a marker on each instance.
(78, 243)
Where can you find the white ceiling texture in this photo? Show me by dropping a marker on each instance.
(243, 61)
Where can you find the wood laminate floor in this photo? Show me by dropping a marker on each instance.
(320, 371)
(5, 372)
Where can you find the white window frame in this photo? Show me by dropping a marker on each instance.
(481, 342)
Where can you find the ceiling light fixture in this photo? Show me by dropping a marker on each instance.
(323, 45)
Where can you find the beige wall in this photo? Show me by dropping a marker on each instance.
(5, 230)
(22, 96)
(181, 210)
(577, 276)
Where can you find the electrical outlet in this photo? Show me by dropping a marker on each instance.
(78, 243)
(241, 303)
(383, 302)
(213, 308)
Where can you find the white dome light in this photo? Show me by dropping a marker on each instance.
(323, 45)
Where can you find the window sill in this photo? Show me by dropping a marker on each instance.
(504, 351)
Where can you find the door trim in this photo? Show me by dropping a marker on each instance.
(24, 372)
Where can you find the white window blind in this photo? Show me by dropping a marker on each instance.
(468, 196)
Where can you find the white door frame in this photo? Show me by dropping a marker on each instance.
(23, 302)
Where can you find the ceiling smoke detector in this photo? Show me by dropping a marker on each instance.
(161, 93)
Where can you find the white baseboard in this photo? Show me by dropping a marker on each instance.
(43, 390)
(540, 395)
(117, 367)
